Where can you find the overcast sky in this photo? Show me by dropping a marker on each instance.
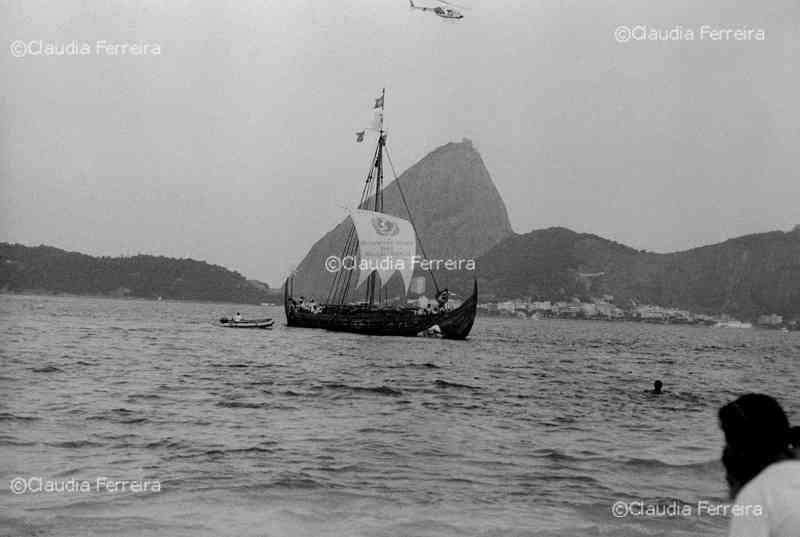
(235, 144)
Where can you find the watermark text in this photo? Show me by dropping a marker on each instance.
(100, 47)
(335, 263)
(705, 32)
(676, 509)
(101, 484)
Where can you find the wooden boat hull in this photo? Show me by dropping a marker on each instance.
(255, 323)
(454, 324)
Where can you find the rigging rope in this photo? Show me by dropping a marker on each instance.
(411, 218)
(340, 286)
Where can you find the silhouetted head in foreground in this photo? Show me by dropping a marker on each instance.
(657, 385)
(757, 434)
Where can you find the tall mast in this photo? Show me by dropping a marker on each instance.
(373, 186)
(373, 289)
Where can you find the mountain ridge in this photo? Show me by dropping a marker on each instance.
(459, 214)
(53, 270)
(744, 276)
(456, 208)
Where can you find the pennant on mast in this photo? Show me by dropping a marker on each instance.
(377, 120)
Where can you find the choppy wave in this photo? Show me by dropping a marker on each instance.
(447, 384)
(7, 416)
(377, 390)
(74, 444)
(47, 369)
(525, 429)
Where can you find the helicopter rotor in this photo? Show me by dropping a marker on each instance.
(452, 4)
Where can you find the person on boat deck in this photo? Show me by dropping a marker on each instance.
(237, 317)
(762, 467)
(442, 298)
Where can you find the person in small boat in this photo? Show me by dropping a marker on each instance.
(237, 318)
(761, 467)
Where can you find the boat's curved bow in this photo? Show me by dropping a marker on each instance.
(457, 323)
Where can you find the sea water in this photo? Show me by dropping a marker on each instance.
(134, 417)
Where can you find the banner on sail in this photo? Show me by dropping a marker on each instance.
(386, 245)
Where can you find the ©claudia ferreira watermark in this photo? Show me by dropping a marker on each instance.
(676, 509)
(706, 32)
(101, 484)
(335, 263)
(100, 47)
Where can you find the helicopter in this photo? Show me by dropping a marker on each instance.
(443, 12)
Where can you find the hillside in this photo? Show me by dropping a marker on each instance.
(51, 270)
(746, 276)
(457, 210)
(459, 214)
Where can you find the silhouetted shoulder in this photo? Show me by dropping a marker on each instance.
(768, 503)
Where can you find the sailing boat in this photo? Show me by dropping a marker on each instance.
(385, 245)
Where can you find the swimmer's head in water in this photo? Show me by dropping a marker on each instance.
(657, 385)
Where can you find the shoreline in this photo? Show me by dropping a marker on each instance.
(33, 293)
(629, 319)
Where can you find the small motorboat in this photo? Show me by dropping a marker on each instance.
(246, 323)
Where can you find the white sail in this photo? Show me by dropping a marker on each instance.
(418, 285)
(386, 245)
